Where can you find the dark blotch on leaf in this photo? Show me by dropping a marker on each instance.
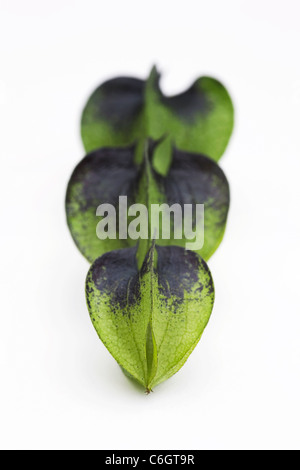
(186, 105)
(196, 179)
(174, 282)
(104, 175)
(116, 274)
(122, 100)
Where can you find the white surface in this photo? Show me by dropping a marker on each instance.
(60, 389)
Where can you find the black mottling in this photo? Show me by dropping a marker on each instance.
(104, 174)
(196, 179)
(210, 284)
(210, 287)
(119, 101)
(177, 270)
(116, 273)
(89, 290)
(187, 105)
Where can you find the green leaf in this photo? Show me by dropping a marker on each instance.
(199, 120)
(150, 319)
(123, 111)
(108, 173)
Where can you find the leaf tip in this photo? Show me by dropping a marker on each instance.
(154, 72)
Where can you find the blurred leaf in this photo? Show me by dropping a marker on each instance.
(123, 111)
(108, 173)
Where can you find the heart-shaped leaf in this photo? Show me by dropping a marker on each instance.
(150, 319)
(106, 174)
(125, 110)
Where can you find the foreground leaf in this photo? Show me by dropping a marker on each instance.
(106, 174)
(150, 319)
(124, 110)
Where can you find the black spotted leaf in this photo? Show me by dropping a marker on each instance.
(106, 174)
(100, 178)
(151, 319)
(125, 110)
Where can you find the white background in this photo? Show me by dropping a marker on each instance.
(59, 387)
